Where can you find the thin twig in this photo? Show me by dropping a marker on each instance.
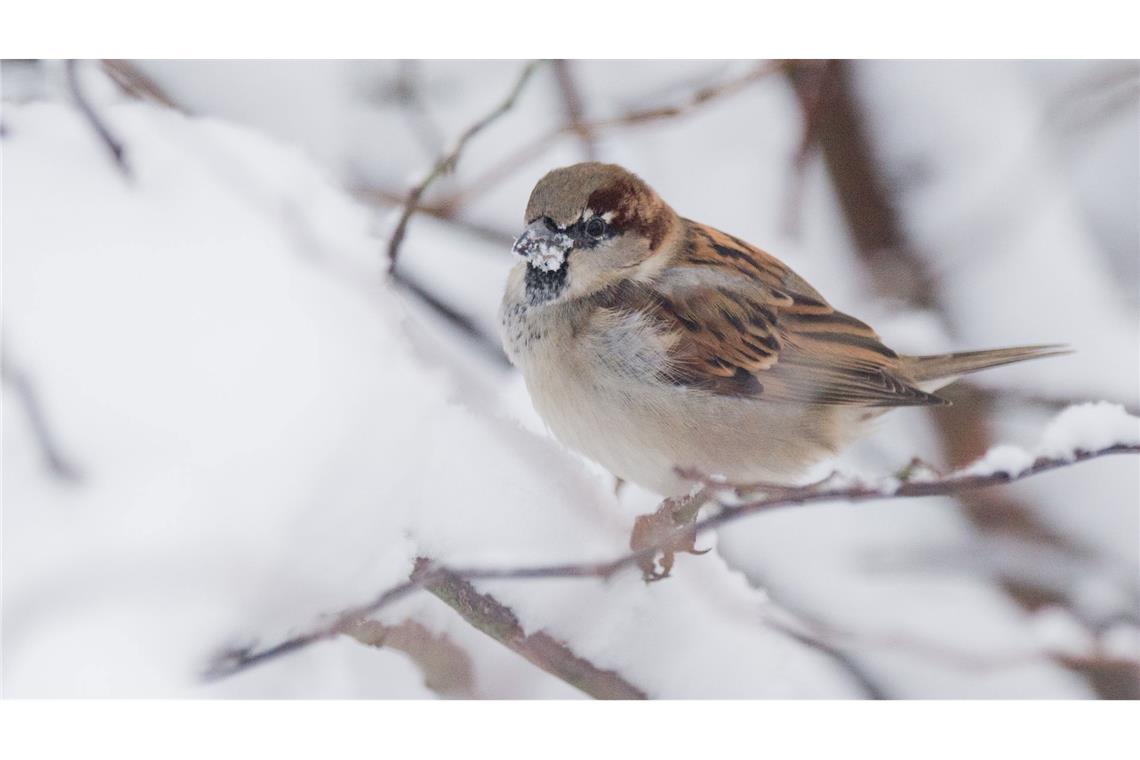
(878, 231)
(447, 163)
(379, 196)
(572, 105)
(113, 144)
(57, 462)
(542, 143)
(138, 85)
(488, 346)
(807, 630)
(235, 660)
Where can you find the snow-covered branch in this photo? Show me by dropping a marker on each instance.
(1078, 434)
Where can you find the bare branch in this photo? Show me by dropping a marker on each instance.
(110, 141)
(57, 462)
(135, 83)
(572, 104)
(812, 631)
(541, 144)
(447, 163)
(379, 196)
(498, 621)
(488, 346)
(831, 102)
(426, 575)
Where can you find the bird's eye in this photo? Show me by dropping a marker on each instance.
(596, 227)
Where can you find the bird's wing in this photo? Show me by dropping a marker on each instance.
(736, 321)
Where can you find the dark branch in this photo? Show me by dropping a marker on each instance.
(110, 141)
(138, 85)
(498, 621)
(488, 346)
(426, 575)
(57, 462)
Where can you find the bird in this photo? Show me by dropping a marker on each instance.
(660, 347)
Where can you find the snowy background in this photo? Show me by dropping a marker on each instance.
(223, 419)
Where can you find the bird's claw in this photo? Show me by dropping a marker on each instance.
(661, 531)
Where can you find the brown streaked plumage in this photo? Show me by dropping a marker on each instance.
(651, 342)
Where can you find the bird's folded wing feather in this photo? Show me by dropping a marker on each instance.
(736, 321)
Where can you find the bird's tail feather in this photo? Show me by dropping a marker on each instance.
(937, 370)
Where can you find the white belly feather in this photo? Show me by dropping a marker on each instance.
(600, 391)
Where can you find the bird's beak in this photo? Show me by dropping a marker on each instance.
(542, 247)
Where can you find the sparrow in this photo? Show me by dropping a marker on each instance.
(660, 347)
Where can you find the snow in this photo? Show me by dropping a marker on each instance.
(1121, 640)
(205, 371)
(1058, 630)
(1003, 458)
(268, 431)
(261, 446)
(545, 252)
(1081, 428)
(1089, 427)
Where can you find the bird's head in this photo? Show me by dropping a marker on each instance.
(588, 226)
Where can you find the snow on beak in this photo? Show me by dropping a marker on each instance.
(542, 247)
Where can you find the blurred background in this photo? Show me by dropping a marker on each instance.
(240, 393)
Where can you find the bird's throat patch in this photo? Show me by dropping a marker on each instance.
(544, 285)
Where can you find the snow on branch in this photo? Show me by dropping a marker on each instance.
(1078, 434)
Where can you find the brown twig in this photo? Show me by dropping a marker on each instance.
(572, 105)
(702, 96)
(637, 117)
(497, 620)
(447, 162)
(812, 88)
(492, 235)
(110, 141)
(138, 85)
(880, 239)
(426, 574)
